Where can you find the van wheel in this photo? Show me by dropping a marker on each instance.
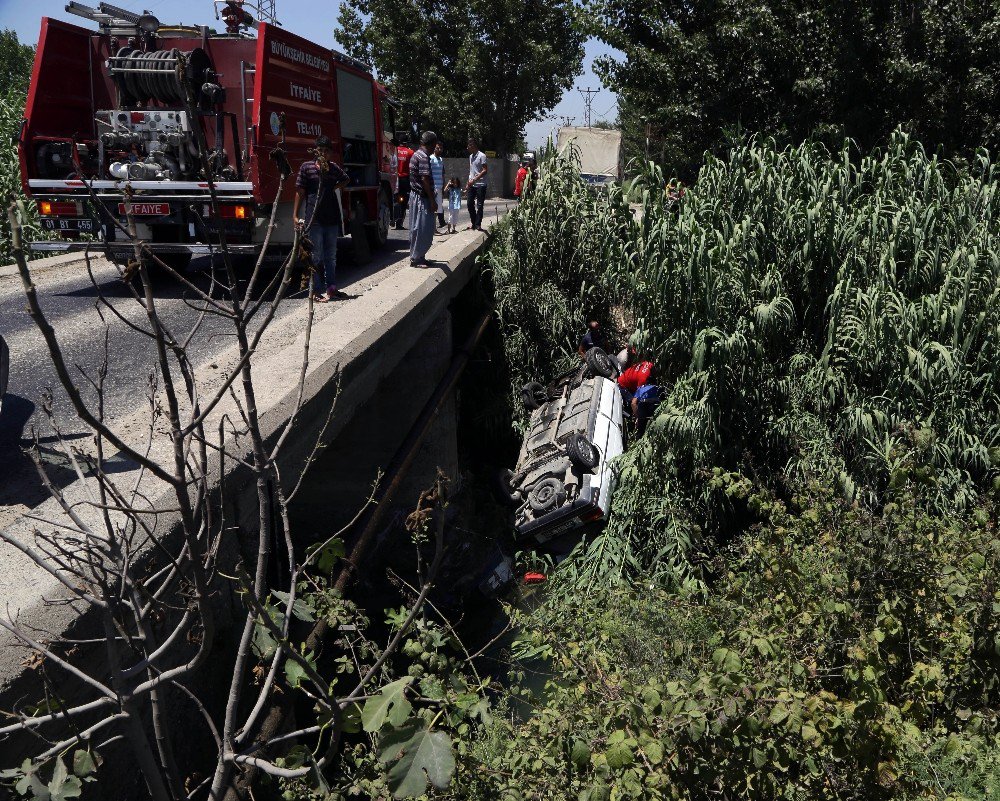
(546, 495)
(505, 492)
(533, 395)
(582, 452)
(600, 363)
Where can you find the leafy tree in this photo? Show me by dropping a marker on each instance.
(700, 72)
(841, 654)
(483, 67)
(15, 62)
(15, 72)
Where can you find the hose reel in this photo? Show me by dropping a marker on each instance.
(154, 75)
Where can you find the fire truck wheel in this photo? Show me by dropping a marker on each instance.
(378, 230)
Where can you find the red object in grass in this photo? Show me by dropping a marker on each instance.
(635, 376)
(535, 578)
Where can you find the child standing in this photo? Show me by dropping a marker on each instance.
(454, 190)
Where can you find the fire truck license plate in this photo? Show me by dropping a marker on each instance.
(146, 209)
(61, 224)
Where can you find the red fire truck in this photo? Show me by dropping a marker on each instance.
(117, 115)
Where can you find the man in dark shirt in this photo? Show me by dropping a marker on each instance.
(316, 197)
(594, 338)
(403, 155)
(423, 204)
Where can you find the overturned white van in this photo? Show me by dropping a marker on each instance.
(563, 479)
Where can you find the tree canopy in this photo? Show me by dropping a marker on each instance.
(483, 67)
(15, 62)
(698, 72)
(15, 74)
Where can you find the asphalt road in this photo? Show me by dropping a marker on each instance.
(70, 300)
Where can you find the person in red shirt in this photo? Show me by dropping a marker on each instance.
(637, 375)
(519, 179)
(403, 155)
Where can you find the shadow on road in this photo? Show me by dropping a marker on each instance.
(19, 479)
(16, 413)
(20, 483)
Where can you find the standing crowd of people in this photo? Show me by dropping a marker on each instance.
(424, 196)
(421, 197)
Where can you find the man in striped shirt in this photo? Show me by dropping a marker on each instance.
(437, 177)
(422, 204)
(316, 200)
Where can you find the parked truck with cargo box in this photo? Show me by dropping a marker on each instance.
(600, 152)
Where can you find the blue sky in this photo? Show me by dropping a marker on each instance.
(299, 16)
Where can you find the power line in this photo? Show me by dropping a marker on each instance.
(588, 100)
(611, 108)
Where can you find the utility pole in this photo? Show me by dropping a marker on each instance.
(568, 121)
(588, 100)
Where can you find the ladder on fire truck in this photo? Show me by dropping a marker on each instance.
(247, 70)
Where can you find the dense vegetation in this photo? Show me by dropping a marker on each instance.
(839, 654)
(15, 71)
(811, 316)
(697, 73)
(797, 593)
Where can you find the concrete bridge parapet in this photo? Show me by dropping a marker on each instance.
(375, 360)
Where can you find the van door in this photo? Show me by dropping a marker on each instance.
(608, 429)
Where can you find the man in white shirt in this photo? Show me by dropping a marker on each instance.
(437, 175)
(476, 186)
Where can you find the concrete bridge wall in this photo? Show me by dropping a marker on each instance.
(376, 361)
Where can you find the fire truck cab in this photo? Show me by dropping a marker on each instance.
(136, 124)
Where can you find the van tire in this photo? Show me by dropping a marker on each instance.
(546, 495)
(533, 395)
(582, 452)
(505, 492)
(600, 363)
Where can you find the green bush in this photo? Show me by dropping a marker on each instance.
(11, 113)
(15, 71)
(550, 266)
(841, 654)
